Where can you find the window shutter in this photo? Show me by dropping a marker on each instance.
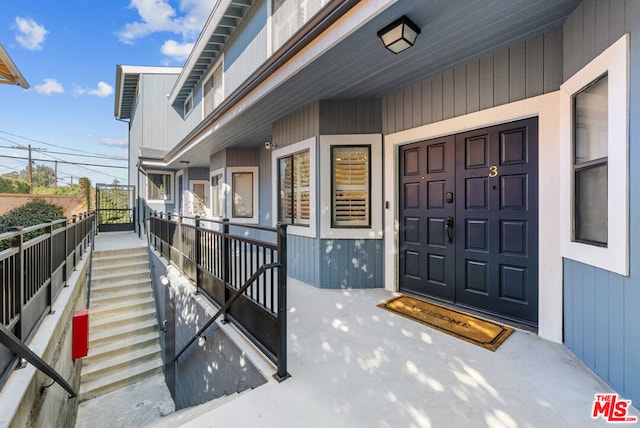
(351, 204)
(301, 184)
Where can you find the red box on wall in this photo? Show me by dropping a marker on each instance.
(80, 334)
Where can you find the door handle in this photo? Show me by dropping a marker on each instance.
(448, 228)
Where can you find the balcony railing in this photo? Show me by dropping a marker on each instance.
(35, 264)
(222, 257)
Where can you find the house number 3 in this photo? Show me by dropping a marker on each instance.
(493, 171)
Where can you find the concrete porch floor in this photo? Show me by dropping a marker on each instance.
(356, 365)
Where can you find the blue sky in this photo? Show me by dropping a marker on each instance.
(68, 50)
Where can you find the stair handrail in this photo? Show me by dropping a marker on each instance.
(226, 306)
(90, 264)
(8, 339)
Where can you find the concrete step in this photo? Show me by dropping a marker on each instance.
(98, 369)
(107, 260)
(111, 382)
(120, 277)
(105, 350)
(184, 416)
(129, 331)
(121, 286)
(119, 297)
(104, 310)
(101, 270)
(120, 320)
(121, 253)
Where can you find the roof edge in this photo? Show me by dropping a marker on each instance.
(6, 59)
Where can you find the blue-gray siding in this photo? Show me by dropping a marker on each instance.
(343, 263)
(601, 309)
(530, 68)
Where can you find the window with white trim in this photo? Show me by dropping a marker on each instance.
(293, 198)
(188, 105)
(212, 91)
(594, 125)
(350, 186)
(159, 186)
(590, 123)
(242, 205)
(294, 189)
(217, 195)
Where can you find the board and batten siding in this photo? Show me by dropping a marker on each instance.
(248, 47)
(601, 309)
(525, 70)
(335, 263)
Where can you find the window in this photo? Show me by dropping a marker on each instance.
(212, 90)
(590, 162)
(594, 124)
(293, 189)
(159, 187)
(180, 191)
(217, 195)
(243, 203)
(290, 15)
(188, 105)
(293, 198)
(199, 198)
(350, 186)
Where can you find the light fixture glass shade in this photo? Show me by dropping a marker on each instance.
(399, 35)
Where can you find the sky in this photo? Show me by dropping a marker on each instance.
(67, 50)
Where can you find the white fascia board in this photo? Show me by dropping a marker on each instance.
(122, 71)
(8, 62)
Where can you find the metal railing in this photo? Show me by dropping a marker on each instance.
(35, 264)
(241, 268)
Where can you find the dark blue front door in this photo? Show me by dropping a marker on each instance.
(469, 219)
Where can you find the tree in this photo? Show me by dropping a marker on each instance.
(43, 176)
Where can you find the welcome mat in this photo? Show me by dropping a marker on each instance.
(483, 333)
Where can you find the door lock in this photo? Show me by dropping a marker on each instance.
(449, 197)
(448, 227)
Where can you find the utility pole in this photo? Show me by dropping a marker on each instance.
(55, 182)
(30, 172)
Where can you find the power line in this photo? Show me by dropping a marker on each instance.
(61, 153)
(42, 142)
(63, 161)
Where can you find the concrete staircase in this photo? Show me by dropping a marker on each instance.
(123, 332)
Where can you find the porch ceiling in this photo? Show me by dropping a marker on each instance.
(360, 67)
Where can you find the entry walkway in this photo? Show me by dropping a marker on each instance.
(356, 365)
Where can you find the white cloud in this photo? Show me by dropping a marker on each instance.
(50, 86)
(161, 16)
(30, 34)
(120, 142)
(102, 90)
(177, 51)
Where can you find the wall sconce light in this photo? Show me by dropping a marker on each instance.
(184, 164)
(401, 34)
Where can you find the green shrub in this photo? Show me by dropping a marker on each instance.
(30, 214)
(10, 185)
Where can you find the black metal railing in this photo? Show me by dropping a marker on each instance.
(241, 268)
(35, 264)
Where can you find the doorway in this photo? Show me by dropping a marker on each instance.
(469, 219)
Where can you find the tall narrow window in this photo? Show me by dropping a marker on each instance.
(590, 162)
(350, 186)
(188, 105)
(216, 196)
(213, 91)
(242, 184)
(294, 189)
